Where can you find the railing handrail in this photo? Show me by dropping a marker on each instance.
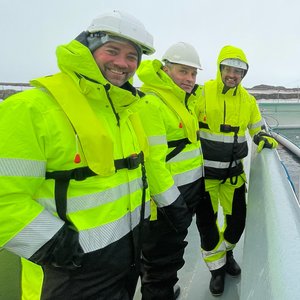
(271, 256)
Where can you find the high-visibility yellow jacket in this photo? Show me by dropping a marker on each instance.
(169, 119)
(224, 119)
(38, 137)
(32, 280)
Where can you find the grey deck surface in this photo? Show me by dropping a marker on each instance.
(194, 277)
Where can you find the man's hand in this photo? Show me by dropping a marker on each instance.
(264, 140)
(62, 251)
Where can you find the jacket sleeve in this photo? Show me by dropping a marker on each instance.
(198, 99)
(162, 188)
(25, 225)
(61, 251)
(256, 121)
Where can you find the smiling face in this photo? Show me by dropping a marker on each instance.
(231, 76)
(117, 61)
(184, 76)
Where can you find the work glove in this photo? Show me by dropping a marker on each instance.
(62, 251)
(264, 140)
(177, 214)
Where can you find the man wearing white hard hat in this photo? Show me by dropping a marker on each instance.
(226, 112)
(175, 165)
(73, 183)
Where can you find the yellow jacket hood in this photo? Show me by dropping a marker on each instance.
(157, 82)
(76, 60)
(229, 52)
(150, 72)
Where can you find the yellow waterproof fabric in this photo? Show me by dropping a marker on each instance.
(178, 107)
(37, 137)
(216, 258)
(241, 108)
(235, 108)
(165, 118)
(32, 280)
(141, 135)
(222, 193)
(230, 52)
(96, 143)
(175, 103)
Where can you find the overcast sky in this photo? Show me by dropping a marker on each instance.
(267, 30)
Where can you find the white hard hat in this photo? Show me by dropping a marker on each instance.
(126, 26)
(234, 62)
(184, 54)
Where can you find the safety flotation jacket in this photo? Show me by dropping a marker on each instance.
(170, 122)
(224, 118)
(43, 147)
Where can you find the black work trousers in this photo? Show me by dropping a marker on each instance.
(164, 248)
(235, 223)
(106, 274)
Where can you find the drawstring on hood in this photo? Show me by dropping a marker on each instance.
(106, 88)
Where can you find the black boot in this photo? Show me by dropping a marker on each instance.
(232, 267)
(216, 285)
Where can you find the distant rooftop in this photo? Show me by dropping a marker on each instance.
(260, 92)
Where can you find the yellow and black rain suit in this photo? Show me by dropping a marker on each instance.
(225, 116)
(175, 174)
(71, 153)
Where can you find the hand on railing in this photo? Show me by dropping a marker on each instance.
(264, 140)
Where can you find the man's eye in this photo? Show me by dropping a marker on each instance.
(238, 72)
(111, 52)
(132, 58)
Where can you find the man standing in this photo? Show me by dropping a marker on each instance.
(73, 188)
(226, 111)
(175, 165)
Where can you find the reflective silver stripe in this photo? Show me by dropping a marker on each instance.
(185, 155)
(168, 197)
(220, 164)
(22, 167)
(157, 140)
(211, 257)
(256, 125)
(217, 264)
(188, 177)
(34, 235)
(221, 138)
(85, 202)
(229, 246)
(100, 237)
